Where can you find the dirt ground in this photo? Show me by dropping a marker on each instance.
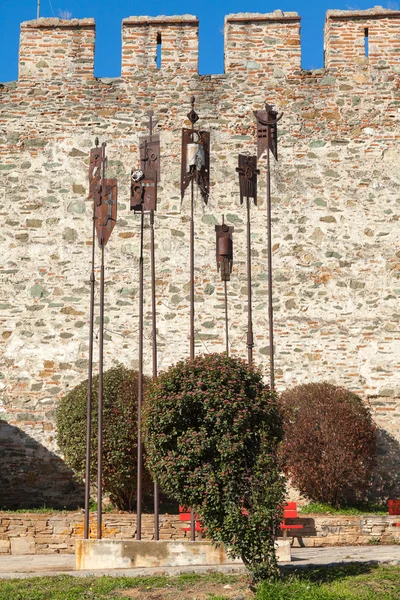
(236, 591)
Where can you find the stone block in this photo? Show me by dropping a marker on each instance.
(113, 554)
(23, 545)
(4, 547)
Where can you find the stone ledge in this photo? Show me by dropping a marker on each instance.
(277, 15)
(160, 20)
(132, 554)
(370, 13)
(45, 23)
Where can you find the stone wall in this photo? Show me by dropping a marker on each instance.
(362, 37)
(53, 48)
(336, 209)
(176, 36)
(30, 533)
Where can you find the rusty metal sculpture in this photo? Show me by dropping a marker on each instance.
(143, 200)
(248, 172)
(103, 192)
(224, 252)
(195, 167)
(267, 139)
(95, 170)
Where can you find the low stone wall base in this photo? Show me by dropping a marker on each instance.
(129, 554)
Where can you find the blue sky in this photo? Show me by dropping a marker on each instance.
(109, 14)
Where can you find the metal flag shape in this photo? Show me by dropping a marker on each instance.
(97, 157)
(195, 164)
(149, 147)
(106, 211)
(144, 180)
(248, 172)
(224, 250)
(267, 130)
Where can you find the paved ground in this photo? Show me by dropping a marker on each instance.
(57, 564)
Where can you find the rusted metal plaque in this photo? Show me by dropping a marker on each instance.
(267, 130)
(150, 157)
(144, 196)
(196, 161)
(248, 172)
(95, 172)
(106, 211)
(224, 250)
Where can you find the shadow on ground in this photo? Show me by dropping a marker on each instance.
(33, 477)
(386, 479)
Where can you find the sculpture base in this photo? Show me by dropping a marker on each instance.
(132, 554)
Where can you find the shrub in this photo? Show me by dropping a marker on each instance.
(329, 443)
(212, 430)
(119, 435)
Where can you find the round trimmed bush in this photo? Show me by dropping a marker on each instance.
(119, 434)
(212, 430)
(329, 443)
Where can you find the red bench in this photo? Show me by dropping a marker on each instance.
(289, 512)
(394, 509)
(186, 515)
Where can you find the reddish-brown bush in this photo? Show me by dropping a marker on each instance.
(329, 443)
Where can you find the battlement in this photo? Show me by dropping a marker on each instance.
(173, 41)
(54, 48)
(357, 37)
(262, 42)
(254, 43)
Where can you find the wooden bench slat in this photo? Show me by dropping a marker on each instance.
(290, 514)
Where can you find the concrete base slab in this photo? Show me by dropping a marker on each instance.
(133, 554)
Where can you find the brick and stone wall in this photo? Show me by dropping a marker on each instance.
(30, 533)
(53, 48)
(335, 204)
(176, 36)
(362, 37)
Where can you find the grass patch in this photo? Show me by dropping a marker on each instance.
(348, 582)
(167, 508)
(327, 509)
(41, 510)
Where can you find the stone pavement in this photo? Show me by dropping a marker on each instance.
(64, 564)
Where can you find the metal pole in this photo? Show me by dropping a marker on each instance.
(226, 318)
(38, 10)
(192, 269)
(250, 340)
(270, 307)
(100, 405)
(154, 342)
(90, 380)
(140, 390)
(192, 519)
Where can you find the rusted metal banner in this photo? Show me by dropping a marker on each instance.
(248, 172)
(195, 165)
(106, 211)
(224, 250)
(267, 130)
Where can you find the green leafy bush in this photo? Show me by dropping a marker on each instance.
(212, 430)
(329, 443)
(119, 436)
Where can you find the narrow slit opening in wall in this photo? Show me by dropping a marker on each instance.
(366, 44)
(158, 55)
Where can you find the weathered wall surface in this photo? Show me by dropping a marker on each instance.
(30, 533)
(336, 205)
